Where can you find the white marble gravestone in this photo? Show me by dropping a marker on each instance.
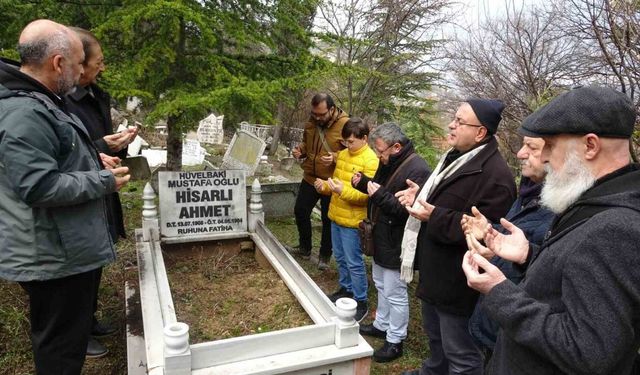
(201, 203)
(192, 152)
(210, 129)
(244, 152)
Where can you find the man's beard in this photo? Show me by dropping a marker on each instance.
(561, 189)
(66, 83)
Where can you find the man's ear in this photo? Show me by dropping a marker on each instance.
(593, 145)
(56, 64)
(482, 134)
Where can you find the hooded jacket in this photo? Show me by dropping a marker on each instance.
(577, 311)
(312, 148)
(53, 220)
(94, 110)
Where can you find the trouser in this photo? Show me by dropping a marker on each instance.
(96, 288)
(305, 202)
(352, 274)
(451, 345)
(392, 313)
(61, 313)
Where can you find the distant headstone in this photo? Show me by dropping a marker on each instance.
(192, 152)
(138, 167)
(155, 158)
(210, 129)
(200, 203)
(133, 103)
(244, 152)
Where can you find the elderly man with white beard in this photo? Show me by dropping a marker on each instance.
(577, 311)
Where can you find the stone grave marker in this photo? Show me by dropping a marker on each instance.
(138, 167)
(155, 157)
(201, 203)
(210, 129)
(244, 152)
(192, 152)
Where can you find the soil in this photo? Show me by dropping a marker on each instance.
(222, 292)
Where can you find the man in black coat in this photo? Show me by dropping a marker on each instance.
(471, 173)
(577, 311)
(399, 163)
(93, 107)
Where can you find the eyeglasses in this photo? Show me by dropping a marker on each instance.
(380, 153)
(457, 122)
(319, 115)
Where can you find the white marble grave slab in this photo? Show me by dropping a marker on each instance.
(210, 129)
(155, 158)
(192, 152)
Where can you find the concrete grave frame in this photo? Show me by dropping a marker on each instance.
(332, 345)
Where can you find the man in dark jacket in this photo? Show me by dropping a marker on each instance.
(319, 149)
(53, 225)
(93, 108)
(399, 163)
(529, 215)
(577, 311)
(472, 173)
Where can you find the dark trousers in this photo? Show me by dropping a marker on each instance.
(452, 348)
(305, 201)
(97, 276)
(61, 314)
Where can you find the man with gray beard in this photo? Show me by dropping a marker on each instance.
(577, 311)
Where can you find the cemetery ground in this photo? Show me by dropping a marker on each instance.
(253, 300)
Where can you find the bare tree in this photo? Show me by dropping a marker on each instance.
(522, 58)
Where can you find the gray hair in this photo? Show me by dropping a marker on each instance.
(390, 133)
(35, 52)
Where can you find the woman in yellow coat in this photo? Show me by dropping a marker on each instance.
(347, 209)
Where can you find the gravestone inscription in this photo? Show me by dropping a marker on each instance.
(204, 202)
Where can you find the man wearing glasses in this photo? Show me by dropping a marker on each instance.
(319, 148)
(471, 173)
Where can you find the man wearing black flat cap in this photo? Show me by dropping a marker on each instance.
(471, 173)
(577, 311)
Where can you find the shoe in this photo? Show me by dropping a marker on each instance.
(340, 293)
(323, 263)
(370, 330)
(102, 329)
(95, 349)
(388, 352)
(298, 251)
(411, 372)
(361, 311)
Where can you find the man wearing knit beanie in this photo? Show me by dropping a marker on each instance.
(471, 173)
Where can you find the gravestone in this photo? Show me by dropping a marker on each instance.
(192, 152)
(155, 157)
(138, 167)
(244, 152)
(201, 203)
(210, 129)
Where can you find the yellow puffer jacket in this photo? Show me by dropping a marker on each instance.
(350, 207)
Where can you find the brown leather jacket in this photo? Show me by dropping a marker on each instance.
(312, 148)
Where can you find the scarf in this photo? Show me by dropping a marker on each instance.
(411, 229)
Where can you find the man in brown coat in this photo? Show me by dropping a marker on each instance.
(319, 148)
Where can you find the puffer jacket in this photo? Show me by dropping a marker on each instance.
(312, 148)
(349, 208)
(53, 219)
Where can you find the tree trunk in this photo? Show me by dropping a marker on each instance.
(174, 145)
